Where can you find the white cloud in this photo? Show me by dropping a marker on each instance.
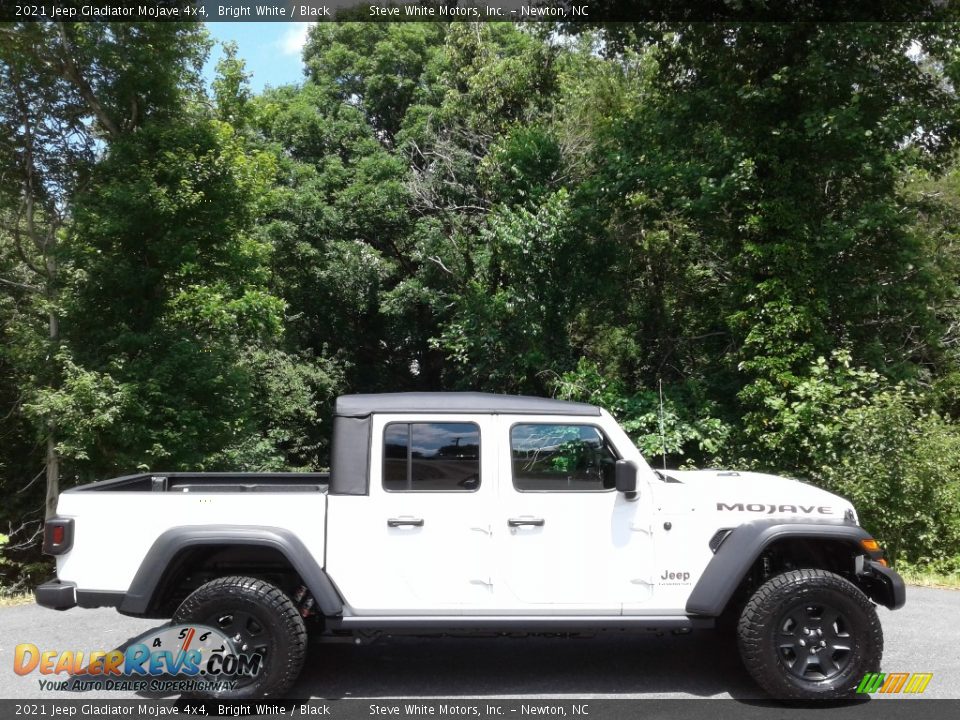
(295, 37)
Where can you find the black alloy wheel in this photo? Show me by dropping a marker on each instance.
(247, 633)
(814, 641)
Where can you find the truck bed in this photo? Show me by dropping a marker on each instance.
(207, 482)
(121, 518)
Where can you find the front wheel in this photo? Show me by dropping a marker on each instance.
(810, 634)
(259, 618)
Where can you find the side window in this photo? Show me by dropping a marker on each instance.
(431, 457)
(561, 458)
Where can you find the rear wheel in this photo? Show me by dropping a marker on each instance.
(259, 618)
(810, 634)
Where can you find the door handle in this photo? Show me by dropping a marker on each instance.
(517, 522)
(398, 522)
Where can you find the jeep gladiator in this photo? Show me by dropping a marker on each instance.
(471, 512)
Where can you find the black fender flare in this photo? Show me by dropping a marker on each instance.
(140, 595)
(744, 544)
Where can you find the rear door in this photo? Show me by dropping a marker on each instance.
(569, 543)
(421, 542)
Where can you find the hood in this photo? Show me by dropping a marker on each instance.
(759, 495)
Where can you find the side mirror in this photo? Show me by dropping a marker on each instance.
(626, 476)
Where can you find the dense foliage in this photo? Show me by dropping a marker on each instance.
(754, 226)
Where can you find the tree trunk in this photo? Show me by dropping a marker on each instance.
(53, 459)
(53, 471)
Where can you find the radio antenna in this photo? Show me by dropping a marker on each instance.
(663, 435)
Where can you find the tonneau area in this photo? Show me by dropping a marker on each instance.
(208, 482)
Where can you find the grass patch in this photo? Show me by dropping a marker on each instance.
(929, 578)
(17, 599)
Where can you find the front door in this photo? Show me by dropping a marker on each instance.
(569, 543)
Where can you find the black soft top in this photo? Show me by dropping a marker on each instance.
(457, 402)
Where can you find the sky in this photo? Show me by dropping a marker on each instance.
(271, 50)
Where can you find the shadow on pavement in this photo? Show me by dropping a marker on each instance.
(700, 664)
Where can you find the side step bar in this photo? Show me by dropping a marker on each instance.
(519, 623)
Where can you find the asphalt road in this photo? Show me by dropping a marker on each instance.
(922, 637)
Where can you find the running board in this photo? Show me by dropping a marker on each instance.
(520, 623)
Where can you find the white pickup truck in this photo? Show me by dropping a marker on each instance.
(477, 512)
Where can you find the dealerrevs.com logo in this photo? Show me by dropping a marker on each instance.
(173, 658)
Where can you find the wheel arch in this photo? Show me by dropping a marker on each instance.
(833, 546)
(180, 549)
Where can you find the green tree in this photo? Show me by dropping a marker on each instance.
(170, 288)
(900, 470)
(231, 89)
(770, 155)
(67, 91)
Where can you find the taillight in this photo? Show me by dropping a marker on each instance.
(58, 535)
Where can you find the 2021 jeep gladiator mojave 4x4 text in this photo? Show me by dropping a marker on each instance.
(460, 512)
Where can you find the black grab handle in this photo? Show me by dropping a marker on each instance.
(398, 522)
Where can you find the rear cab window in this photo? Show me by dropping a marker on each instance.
(431, 457)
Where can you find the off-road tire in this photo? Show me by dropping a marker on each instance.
(272, 625)
(793, 630)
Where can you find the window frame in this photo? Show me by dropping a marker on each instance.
(409, 424)
(606, 439)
